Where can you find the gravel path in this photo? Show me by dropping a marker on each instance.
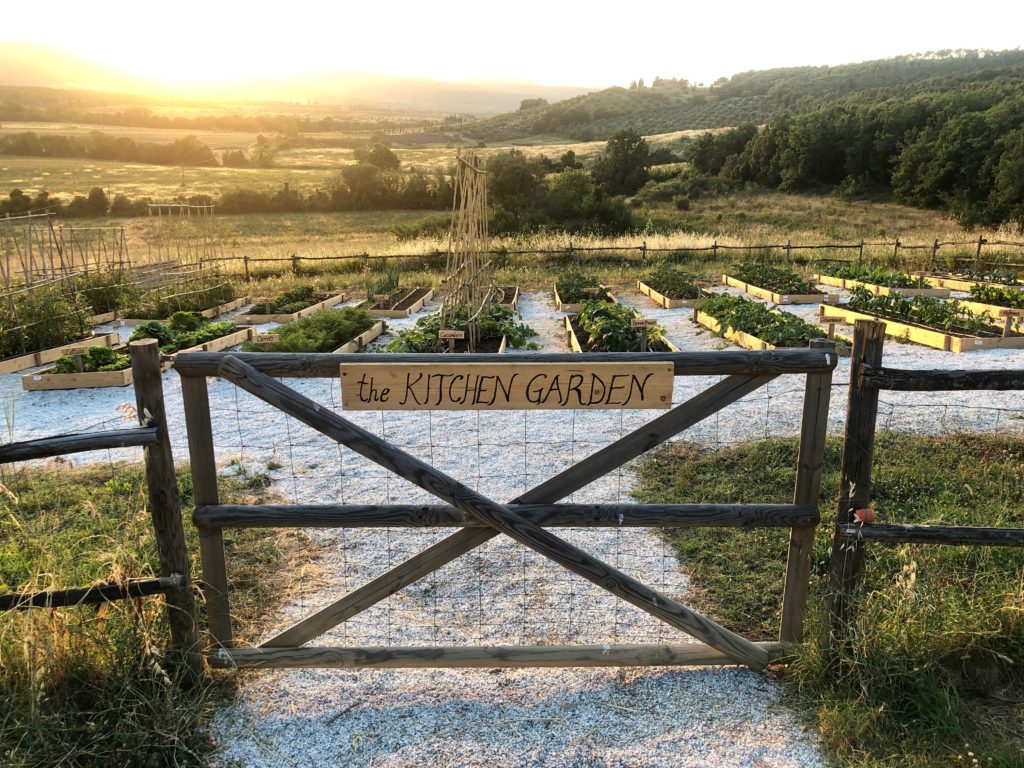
(502, 593)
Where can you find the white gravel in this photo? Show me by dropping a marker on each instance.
(503, 594)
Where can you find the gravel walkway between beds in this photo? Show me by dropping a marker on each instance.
(504, 594)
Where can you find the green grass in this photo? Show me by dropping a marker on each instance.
(936, 657)
(81, 687)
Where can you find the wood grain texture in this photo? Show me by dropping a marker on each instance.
(488, 657)
(934, 534)
(558, 487)
(196, 403)
(940, 380)
(99, 593)
(725, 362)
(810, 457)
(164, 504)
(547, 515)
(498, 516)
(77, 442)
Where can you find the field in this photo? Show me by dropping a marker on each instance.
(216, 140)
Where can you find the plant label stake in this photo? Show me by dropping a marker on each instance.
(643, 323)
(451, 336)
(266, 339)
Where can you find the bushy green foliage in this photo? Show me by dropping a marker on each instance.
(286, 302)
(924, 310)
(43, 319)
(988, 276)
(323, 331)
(873, 275)
(608, 327)
(574, 285)
(107, 291)
(777, 280)
(671, 283)
(622, 168)
(780, 329)
(1000, 297)
(96, 359)
(495, 322)
(182, 330)
(191, 296)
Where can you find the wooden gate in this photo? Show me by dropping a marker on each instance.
(524, 519)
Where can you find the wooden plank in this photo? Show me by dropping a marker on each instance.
(94, 595)
(991, 310)
(398, 313)
(936, 339)
(44, 356)
(934, 534)
(575, 306)
(77, 443)
(499, 517)
(961, 285)
(775, 298)
(811, 452)
(881, 290)
(847, 558)
(489, 657)
(164, 503)
(548, 515)
(721, 363)
(741, 338)
(941, 380)
(662, 300)
(202, 458)
(362, 339)
(500, 386)
(46, 379)
(255, 319)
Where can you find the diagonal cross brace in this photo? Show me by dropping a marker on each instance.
(499, 517)
(452, 547)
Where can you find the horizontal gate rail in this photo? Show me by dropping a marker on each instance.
(77, 442)
(941, 380)
(935, 534)
(490, 657)
(549, 515)
(100, 593)
(726, 362)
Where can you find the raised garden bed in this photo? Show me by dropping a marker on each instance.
(661, 299)
(907, 330)
(669, 287)
(45, 356)
(508, 296)
(779, 286)
(348, 329)
(752, 325)
(600, 327)
(598, 293)
(499, 330)
(314, 301)
(964, 281)
(878, 281)
(410, 303)
(210, 313)
(86, 370)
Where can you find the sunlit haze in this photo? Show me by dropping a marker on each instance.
(189, 43)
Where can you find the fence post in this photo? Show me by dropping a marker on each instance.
(860, 255)
(935, 253)
(245, 263)
(977, 254)
(165, 505)
(896, 252)
(813, 426)
(295, 264)
(847, 558)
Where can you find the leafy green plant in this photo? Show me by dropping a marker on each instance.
(671, 283)
(42, 319)
(107, 291)
(608, 327)
(182, 330)
(323, 331)
(1000, 297)
(192, 296)
(495, 322)
(96, 359)
(772, 278)
(923, 310)
(574, 285)
(780, 329)
(287, 302)
(985, 276)
(872, 275)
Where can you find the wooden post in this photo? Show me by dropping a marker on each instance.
(977, 254)
(817, 395)
(245, 263)
(935, 252)
(165, 505)
(896, 252)
(860, 254)
(789, 251)
(196, 402)
(295, 264)
(714, 250)
(847, 560)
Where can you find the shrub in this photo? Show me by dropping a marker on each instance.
(323, 331)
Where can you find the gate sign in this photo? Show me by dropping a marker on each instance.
(505, 386)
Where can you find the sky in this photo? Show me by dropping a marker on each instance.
(594, 44)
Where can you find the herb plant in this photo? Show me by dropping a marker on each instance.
(985, 276)
(671, 283)
(495, 322)
(1000, 297)
(574, 285)
(385, 285)
(323, 331)
(922, 310)
(286, 302)
(608, 327)
(780, 329)
(772, 278)
(182, 330)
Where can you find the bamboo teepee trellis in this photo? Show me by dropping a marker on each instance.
(467, 276)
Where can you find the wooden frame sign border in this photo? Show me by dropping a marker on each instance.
(506, 386)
